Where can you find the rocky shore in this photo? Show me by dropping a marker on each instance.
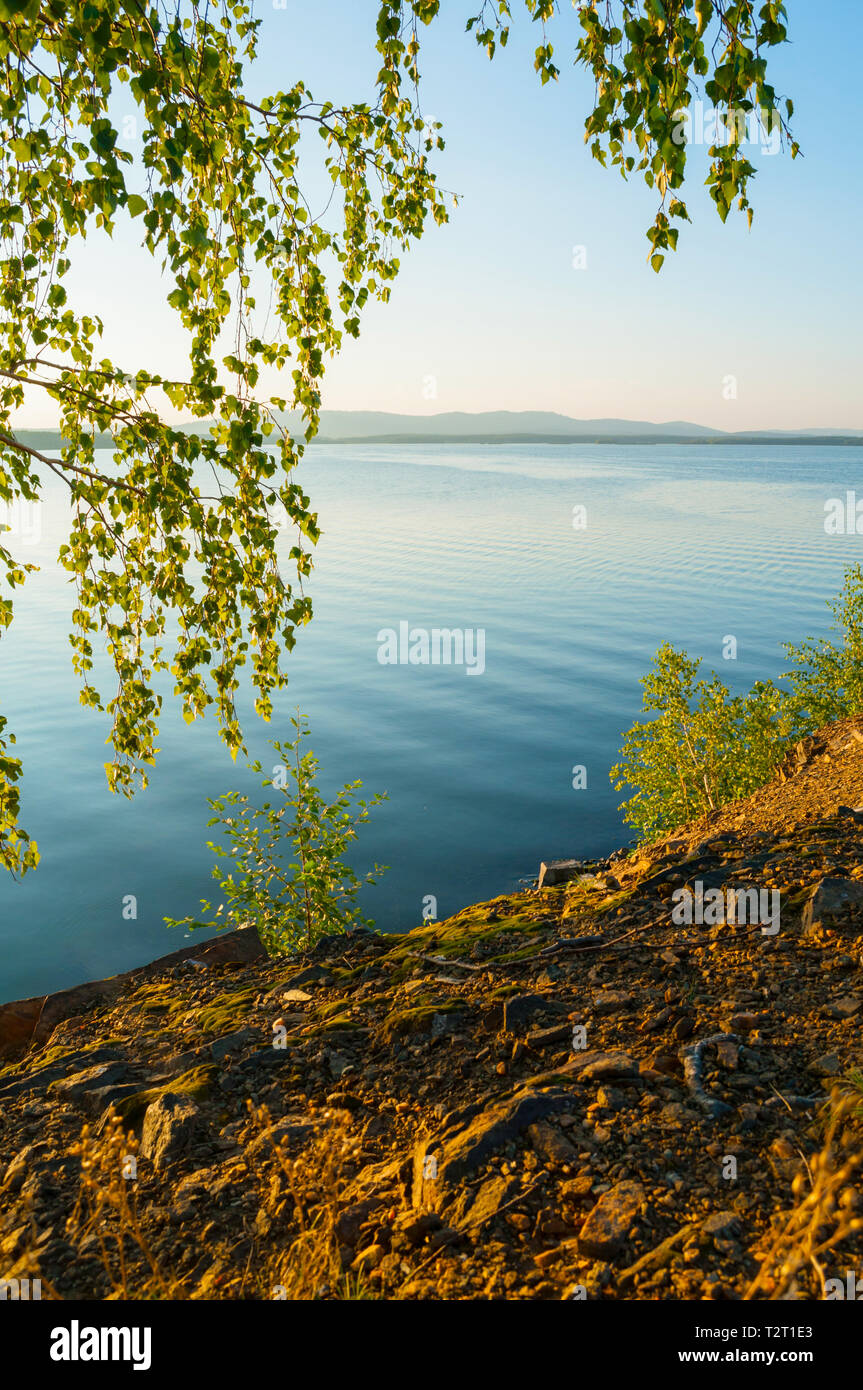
(566, 1092)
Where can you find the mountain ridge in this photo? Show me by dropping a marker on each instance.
(502, 427)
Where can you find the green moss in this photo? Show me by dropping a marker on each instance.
(55, 1054)
(458, 935)
(340, 1024)
(194, 1083)
(335, 1006)
(344, 974)
(797, 899)
(402, 1022)
(226, 1011)
(153, 990)
(504, 991)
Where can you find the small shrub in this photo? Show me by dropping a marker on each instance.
(292, 904)
(706, 747)
(827, 680)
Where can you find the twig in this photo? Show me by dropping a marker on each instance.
(443, 960)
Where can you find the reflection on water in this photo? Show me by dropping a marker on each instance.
(690, 543)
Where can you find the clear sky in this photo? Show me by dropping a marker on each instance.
(491, 307)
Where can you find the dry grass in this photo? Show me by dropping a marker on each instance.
(302, 1194)
(825, 1215)
(308, 1191)
(107, 1210)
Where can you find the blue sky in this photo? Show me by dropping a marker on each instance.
(489, 313)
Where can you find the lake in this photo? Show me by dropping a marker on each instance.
(688, 543)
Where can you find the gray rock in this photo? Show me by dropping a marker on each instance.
(443, 1024)
(727, 1054)
(828, 1065)
(23, 1164)
(173, 1125)
(233, 1042)
(521, 1008)
(337, 1063)
(750, 1115)
(550, 1144)
(722, 1223)
(607, 1066)
(182, 1062)
(612, 1001)
(98, 1101)
(829, 899)
(267, 1057)
(547, 1037)
(610, 1098)
(351, 1219)
(42, 1077)
(291, 1128)
(675, 1114)
(78, 1087)
(608, 1225)
(469, 1137)
(555, 871)
(493, 1195)
(312, 975)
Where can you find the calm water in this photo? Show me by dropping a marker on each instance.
(686, 543)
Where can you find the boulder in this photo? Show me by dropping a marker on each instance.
(17, 1021)
(558, 871)
(521, 1008)
(233, 1042)
(30, 1022)
(173, 1124)
(830, 899)
(95, 1088)
(606, 1066)
(462, 1146)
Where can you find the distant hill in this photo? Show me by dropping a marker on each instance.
(355, 424)
(507, 427)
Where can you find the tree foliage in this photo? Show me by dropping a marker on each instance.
(180, 581)
(651, 59)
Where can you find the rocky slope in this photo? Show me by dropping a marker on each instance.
(560, 1093)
